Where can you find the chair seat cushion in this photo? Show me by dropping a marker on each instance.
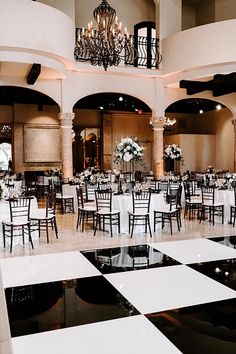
(166, 209)
(88, 208)
(107, 212)
(41, 215)
(64, 196)
(19, 222)
(213, 205)
(138, 213)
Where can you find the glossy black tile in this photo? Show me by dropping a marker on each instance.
(49, 306)
(203, 329)
(223, 271)
(122, 259)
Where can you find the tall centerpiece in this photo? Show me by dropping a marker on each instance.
(172, 153)
(129, 152)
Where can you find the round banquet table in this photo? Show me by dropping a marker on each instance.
(226, 197)
(123, 203)
(5, 216)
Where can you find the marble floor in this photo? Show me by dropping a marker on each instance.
(165, 294)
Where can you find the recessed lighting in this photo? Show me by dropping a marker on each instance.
(121, 98)
(200, 111)
(218, 107)
(101, 107)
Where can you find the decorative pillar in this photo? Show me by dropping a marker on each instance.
(234, 124)
(66, 120)
(158, 127)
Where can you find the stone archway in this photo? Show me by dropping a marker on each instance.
(204, 132)
(115, 115)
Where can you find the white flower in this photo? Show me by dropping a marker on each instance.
(127, 157)
(128, 149)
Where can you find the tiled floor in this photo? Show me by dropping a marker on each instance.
(86, 294)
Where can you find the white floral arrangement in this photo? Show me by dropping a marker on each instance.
(173, 152)
(128, 149)
(4, 192)
(90, 174)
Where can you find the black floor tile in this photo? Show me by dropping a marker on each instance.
(203, 329)
(223, 271)
(49, 306)
(122, 259)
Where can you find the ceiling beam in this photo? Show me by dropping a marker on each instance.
(33, 74)
(220, 85)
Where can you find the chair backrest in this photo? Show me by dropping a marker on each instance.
(51, 203)
(153, 184)
(141, 201)
(163, 187)
(174, 197)
(90, 191)
(80, 197)
(234, 194)
(208, 195)
(103, 200)
(190, 189)
(20, 208)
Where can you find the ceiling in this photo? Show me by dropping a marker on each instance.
(10, 95)
(193, 106)
(110, 101)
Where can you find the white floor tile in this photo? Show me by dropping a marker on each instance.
(132, 335)
(159, 289)
(45, 268)
(195, 251)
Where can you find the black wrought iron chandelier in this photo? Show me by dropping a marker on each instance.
(107, 44)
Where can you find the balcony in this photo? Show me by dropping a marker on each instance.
(147, 49)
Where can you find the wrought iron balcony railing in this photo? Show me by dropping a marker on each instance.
(148, 55)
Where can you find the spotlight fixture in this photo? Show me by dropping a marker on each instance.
(106, 44)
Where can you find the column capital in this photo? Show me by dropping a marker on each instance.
(233, 121)
(157, 122)
(66, 119)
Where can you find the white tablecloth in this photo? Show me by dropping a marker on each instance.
(227, 198)
(5, 216)
(68, 189)
(123, 203)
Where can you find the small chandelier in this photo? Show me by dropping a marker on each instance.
(105, 45)
(6, 130)
(169, 123)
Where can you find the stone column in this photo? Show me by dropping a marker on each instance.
(66, 143)
(158, 127)
(234, 124)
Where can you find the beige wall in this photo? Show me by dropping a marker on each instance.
(134, 125)
(129, 12)
(68, 6)
(207, 11)
(20, 115)
(199, 151)
(225, 9)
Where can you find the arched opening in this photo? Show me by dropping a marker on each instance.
(146, 44)
(204, 131)
(109, 117)
(29, 119)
